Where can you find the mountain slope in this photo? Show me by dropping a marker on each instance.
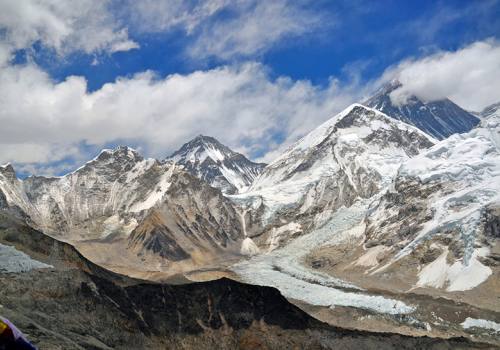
(490, 110)
(353, 155)
(445, 206)
(438, 118)
(112, 202)
(209, 160)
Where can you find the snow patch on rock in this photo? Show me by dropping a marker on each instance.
(14, 261)
(457, 276)
(480, 323)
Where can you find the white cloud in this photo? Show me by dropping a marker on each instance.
(245, 28)
(65, 26)
(469, 76)
(256, 27)
(240, 105)
(248, 27)
(164, 15)
(45, 123)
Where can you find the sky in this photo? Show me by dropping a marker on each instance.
(76, 77)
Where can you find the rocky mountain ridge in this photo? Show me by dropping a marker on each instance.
(351, 156)
(439, 119)
(415, 213)
(139, 208)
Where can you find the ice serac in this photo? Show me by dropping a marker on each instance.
(443, 210)
(123, 210)
(351, 156)
(209, 160)
(440, 118)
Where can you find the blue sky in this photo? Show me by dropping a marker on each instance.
(359, 35)
(257, 75)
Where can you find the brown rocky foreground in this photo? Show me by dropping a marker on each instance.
(78, 305)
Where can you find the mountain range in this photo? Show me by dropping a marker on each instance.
(378, 211)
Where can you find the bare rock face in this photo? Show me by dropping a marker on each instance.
(196, 218)
(492, 222)
(3, 201)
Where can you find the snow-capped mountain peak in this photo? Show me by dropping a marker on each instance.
(354, 127)
(121, 154)
(440, 118)
(217, 164)
(200, 148)
(353, 155)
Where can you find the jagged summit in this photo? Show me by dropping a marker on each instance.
(113, 162)
(201, 147)
(120, 153)
(8, 171)
(356, 123)
(209, 160)
(440, 118)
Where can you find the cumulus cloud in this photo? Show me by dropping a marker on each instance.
(44, 121)
(47, 125)
(222, 29)
(469, 76)
(64, 26)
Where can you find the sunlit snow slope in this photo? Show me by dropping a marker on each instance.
(353, 155)
(445, 200)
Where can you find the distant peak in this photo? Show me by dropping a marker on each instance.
(205, 139)
(121, 152)
(202, 142)
(356, 108)
(8, 171)
(394, 83)
(386, 88)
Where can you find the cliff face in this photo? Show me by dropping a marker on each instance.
(77, 305)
